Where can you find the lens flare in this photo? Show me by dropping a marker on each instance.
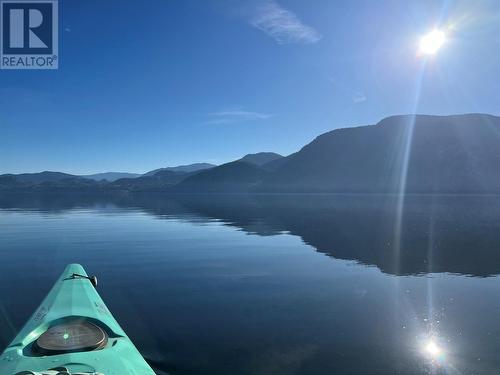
(432, 349)
(432, 42)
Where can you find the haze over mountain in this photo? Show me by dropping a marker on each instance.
(110, 176)
(236, 176)
(35, 178)
(182, 168)
(157, 179)
(160, 180)
(44, 180)
(261, 158)
(415, 154)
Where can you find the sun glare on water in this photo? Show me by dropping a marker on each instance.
(431, 43)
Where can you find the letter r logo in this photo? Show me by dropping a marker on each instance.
(27, 27)
(17, 30)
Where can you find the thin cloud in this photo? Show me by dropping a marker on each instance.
(282, 25)
(358, 97)
(234, 116)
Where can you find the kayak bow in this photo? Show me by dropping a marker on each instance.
(73, 332)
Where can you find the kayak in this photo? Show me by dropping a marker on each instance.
(72, 332)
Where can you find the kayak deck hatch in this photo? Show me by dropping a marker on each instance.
(73, 330)
(75, 335)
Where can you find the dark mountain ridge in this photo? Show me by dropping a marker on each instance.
(419, 154)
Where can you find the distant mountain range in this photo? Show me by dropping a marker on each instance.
(419, 154)
(44, 181)
(113, 176)
(110, 176)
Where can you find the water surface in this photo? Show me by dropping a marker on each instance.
(272, 284)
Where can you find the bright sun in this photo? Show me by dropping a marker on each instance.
(432, 349)
(432, 42)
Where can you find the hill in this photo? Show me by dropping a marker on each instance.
(420, 154)
(236, 176)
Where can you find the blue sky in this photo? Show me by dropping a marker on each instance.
(146, 84)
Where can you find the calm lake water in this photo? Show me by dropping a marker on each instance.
(272, 284)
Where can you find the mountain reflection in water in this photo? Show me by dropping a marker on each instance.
(443, 233)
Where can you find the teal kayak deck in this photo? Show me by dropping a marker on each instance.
(73, 298)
